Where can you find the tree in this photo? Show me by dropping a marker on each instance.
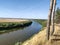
(58, 15)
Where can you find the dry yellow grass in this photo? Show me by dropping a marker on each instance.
(12, 20)
(40, 38)
(56, 32)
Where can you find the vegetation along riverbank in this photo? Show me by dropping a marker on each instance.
(7, 24)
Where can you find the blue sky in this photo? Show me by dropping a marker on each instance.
(25, 8)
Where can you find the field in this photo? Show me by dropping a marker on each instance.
(12, 20)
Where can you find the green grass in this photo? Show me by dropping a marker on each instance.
(43, 22)
(11, 26)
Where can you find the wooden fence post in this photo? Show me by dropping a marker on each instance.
(49, 19)
(53, 15)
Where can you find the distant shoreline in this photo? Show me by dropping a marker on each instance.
(7, 24)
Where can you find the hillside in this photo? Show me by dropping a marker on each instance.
(40, 38)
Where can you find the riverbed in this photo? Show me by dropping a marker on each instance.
(19, 35)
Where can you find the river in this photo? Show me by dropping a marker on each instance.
(19, 35)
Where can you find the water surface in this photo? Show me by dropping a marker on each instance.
(19, 35)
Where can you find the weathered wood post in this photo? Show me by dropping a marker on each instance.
(53, 15)
(49, 19)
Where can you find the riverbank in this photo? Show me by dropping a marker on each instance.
(36, 38)
(41, 39)
(43, 22)
(7, 24)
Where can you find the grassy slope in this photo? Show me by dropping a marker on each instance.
(41, 39)
(57, 37)
(41, 21)
(37, 39)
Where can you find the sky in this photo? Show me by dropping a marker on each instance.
(36, 9)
